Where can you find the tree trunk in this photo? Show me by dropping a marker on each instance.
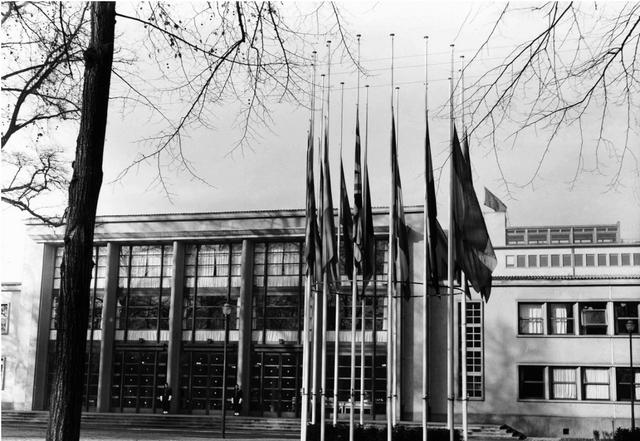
(84, 189)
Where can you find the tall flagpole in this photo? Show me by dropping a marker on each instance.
(354, 299)
(374, 336)
(425, 278)
(325, 287)
(390, 287)
(450, 268)
(317, 341)
(362, 297)
(396, 298)
(304, 411)
(336, 338)
(463, 313)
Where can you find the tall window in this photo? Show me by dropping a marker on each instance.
(474, 355)
(277, 281)
(595, 383)
(530, 318)
(144, 287)
(212, 272)
(531, 382)
(96, 294)
(624, 312)
(560, 318)
(563, 384)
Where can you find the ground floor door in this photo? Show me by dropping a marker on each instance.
(275, 383)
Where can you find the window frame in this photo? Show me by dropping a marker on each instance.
(540, 320)
(541, 383)
(584, 383)
(553, 383)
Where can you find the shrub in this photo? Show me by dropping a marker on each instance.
(622, 434)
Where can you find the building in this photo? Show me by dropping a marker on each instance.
(548, 354)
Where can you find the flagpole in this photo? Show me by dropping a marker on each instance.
(390, 279)
(316, 300)
(396, 299)
(450, 268)
(463, 313)
(304, 411)
(362, 297)
(425, 284)
(336, 338)
(325, 288)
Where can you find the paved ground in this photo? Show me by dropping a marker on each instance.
(16, 434)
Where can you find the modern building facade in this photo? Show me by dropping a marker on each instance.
(548, 354)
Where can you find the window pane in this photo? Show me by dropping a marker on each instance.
(532, 261)
(593, 318)
(590, 259)
(578, 259)
(626, 312)
(510, 261)
(596, 383)
(560, 317)
(566, 260)
(531, 382)
(626, 259)
(530, 318)
(563, 384)
(544, 260)
(520, 260)
(624, 380)
(602, 259)
(555, 260)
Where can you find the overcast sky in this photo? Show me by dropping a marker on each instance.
(270, 174)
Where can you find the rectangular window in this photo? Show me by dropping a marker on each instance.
(144, 287)
(520, 261)
(555, 260)
(593, 318)
(537, 236)
(582, 235)
(602, 260)
(474, 356)
(578, 259)
(613, 259)
(515, 236)
(595, 383)
(530, 318)
(532, 261)
(560, 235)
(626, 259)
(590, 259)
(510, 261)
(626, 312)
(560, 318)
(563, 384)
(566, 260)
(531, 382)
(636, 259)
(544, 260)
(212, 274)
(625, 382)
(606, 234)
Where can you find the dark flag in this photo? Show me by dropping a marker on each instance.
(492, 201)
(400, 236)
(347, 225)
(432, 213)
(329, 255)
(358, 239)
(312, 236)
(473, 248)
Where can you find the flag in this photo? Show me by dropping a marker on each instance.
(312, 236)
(432, 213)
(347, 225)
(363, 238)
(492, 201)
(400, 239)
(473, 248)
(329, 255)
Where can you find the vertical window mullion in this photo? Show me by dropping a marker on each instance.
(159, 311)
(126, 302)
(195, 293)
(266, 292)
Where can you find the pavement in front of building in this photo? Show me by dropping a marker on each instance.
(18, 434)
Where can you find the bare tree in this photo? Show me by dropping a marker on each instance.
(579, 68)
(242, 53)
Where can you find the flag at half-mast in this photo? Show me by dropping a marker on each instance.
(432, 212)
(363, 238)
(329, 254)
(400, 239)
(473, 248)
(312, 244)
(346, 221)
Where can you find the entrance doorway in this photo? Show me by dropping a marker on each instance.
(275, 383)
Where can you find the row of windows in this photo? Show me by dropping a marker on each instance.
(577, 383)
(566, 260)
(585, 318)
(559, 235)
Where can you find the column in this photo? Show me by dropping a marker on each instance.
(44, 323)
(107, 336)
(244, 324)
(175, 325)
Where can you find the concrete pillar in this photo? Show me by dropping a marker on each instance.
(175, 325)
(244, 324)
(107, 333)
(44, 322)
